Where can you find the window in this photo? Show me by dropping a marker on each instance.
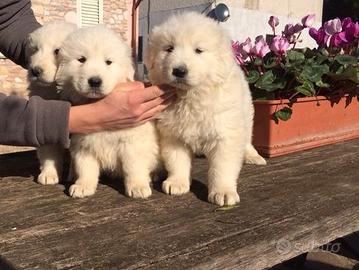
(89, 12)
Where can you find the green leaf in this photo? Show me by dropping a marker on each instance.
(356, 52)
(314, 73)
(295, 56)
(283, 114)
(307, 89)
(258, 61)
(350, 73)
(261, 94)
(339, 70)
(322, 84)
(323, 51)
(253, 76)
(320, 58)
(269, 82)
(265, 80)
(346, 59)
(269, 61)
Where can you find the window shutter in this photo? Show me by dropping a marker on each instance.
(90, 12)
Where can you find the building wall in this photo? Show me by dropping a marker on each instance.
(288, 8)
(249, 18)
(116, 15)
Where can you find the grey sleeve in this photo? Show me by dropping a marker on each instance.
(17, 21)
(33, 122)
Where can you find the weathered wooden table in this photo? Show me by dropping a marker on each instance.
(295, 203)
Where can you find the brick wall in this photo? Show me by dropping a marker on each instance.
(115, 15)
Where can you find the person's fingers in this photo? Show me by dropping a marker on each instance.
(157, 101)
(150, 93)
(152, 112)
(129, 86)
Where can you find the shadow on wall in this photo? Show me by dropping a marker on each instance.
(343, 8)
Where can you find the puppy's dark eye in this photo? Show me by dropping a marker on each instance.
(56, 51)
(198, 51)
(82, 59)
(169, 49)
(35, 49)
(108, 62)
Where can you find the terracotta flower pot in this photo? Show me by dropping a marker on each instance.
(314, 122)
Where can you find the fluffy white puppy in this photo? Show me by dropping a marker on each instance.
(214, 112)
(45, 44)
(93, 61)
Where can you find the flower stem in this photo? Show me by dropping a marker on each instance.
(296, 39)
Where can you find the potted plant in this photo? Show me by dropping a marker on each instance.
(303, 98)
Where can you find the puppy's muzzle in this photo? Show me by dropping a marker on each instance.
(95, 82)
(180, 72)
(36, 71)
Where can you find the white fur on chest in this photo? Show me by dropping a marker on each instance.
(111, 147)
(201, 120)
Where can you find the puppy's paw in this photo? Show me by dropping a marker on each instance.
(81, 191)
(173, 187)
(138, 191)
(256, 160)
(48, 176)
(223, 197)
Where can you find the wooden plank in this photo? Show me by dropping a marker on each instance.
(292, 205)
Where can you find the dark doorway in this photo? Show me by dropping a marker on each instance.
(340, 9)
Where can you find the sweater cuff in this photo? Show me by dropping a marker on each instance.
(52, 124)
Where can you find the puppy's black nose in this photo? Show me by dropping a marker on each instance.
(95, 81)
(180, 72)
(36, 71)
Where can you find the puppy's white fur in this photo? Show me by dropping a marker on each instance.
(131, 152)
(45, 43)
(214, 112)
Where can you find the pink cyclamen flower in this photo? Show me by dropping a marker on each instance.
(320, 36)
(260, 48)
(308, 20)
(273, 22)
(346, 22)
(338, 40)
(235, 46)
(239, 58)
(333, 26)
(279, 45)
(297, 28)
(245, 47)
(351, 32)
(288, 30)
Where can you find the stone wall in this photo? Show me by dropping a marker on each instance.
(116, 15)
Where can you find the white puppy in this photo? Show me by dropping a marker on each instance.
(93, 61)
(214, 112)
(45, 44)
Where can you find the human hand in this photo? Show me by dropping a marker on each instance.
(129, 104)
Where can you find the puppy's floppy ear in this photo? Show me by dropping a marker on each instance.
(149, 56)
(150, 53)
(60, 74)
(130, 73)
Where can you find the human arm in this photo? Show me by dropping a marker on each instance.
(17, 21)
(33, 122)
(36, 122)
